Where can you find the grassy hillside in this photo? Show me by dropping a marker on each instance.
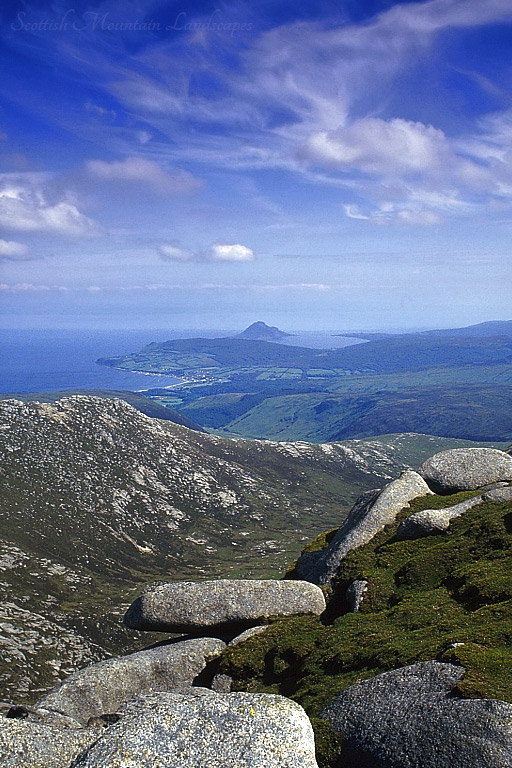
(191, 354)
(97, 499)
(392, 353)
(470, 412)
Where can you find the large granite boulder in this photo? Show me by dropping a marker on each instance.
(33, 745)
(430, 521)
(465, 469)
(371, 513)
(223, 605)
(203, 729)
(103, 687)
(409, 718)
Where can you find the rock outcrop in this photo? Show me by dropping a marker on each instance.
(33, 745)
(203, 729)
(409, 718)
(221, 605)
(102, 688)
(430, 521)
(465, 469)
(370, 514)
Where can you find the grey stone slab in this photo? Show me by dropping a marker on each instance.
(370, 514)
(499, 495)
(102, 688)
(187, 606)
(431, 521)
(24, 744)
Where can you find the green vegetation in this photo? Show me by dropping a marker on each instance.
(425, 382)
(408, 352)
(325, 416)
(423, 597)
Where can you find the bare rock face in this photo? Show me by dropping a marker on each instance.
(370, 514)
(206, 730)
(32, 745)
(409, 718)
(465, 469)
(102, 688)
(187, 606)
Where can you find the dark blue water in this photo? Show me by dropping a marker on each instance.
(51, 360)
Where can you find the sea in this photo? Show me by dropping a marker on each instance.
(60, 359)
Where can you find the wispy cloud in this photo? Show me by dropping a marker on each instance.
(142, 170)
(32, 288)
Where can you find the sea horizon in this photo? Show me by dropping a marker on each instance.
(51, 360)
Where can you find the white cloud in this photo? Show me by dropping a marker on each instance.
(385, 147)
(393, 213)
(102, 111)
(24, 206)
(10, 250)
(295, 102)
(353, 212)
(216, 252)
(297, 85)
(441, 14)
(139, 169)
(144, 136)
(231, 253)
(174, 252)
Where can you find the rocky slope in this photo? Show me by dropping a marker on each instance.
(98, 498)
(415, 673)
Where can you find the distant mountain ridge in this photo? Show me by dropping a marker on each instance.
(488, 328)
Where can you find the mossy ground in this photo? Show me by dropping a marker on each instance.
(424, 596)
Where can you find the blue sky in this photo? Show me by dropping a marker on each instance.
(337, 165)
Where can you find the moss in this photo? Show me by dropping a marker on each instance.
(328, 743)
(480, 663)
(319, 542)
(423, 596)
